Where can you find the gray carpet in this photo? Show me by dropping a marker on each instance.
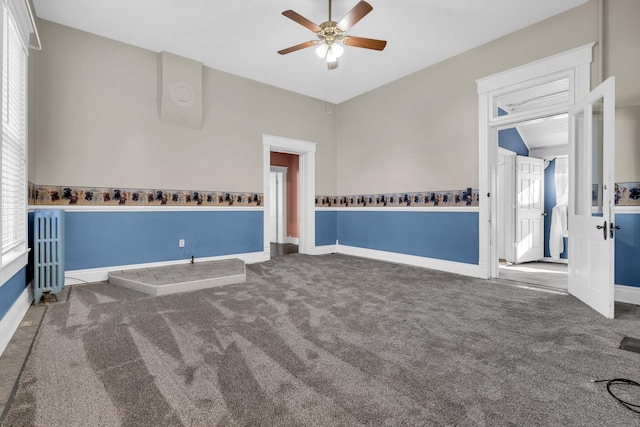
(327, 341)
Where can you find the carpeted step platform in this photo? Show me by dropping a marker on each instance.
(181, 277)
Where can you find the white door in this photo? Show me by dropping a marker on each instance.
(503, 245)
(273, 208)
(506, 205)
(277, 215)
(591, 198)
(529, 209)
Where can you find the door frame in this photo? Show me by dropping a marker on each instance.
(576, 61)
(306, 152)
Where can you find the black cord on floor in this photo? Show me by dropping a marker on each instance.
(616, 381)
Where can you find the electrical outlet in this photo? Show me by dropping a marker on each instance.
(181, 243)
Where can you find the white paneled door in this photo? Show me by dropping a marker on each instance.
(277, 208)
(529, 209)
(273, 208)
(591, 199)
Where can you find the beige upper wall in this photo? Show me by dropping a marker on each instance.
(622, 49)
(628, 144)
(622, 60)
(421, 132)
(95, 122)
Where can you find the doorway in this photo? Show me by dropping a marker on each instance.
(532, 197)
(540, 89)
(284, 211)
(303, 153)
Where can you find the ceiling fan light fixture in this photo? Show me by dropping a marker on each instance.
(335, 51)
(330, 52)
(321, 50)
(332, 34)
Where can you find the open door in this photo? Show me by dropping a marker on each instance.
(277, 216)
(529, 209)
(591, 198)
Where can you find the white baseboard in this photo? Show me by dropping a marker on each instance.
(325, 249)
(417, 261)
(292, 240)
(628, 294)
(557, 261)
(90, 275)
(14, 316)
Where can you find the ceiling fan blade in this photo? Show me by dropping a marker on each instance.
(332, 65)
(294, 16)
(298, 47)
(354, 15)
(365, 42)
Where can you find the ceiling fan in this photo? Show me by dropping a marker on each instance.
(331, 34)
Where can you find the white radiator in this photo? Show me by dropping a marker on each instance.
(48, 252)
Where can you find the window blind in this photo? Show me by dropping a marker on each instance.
(14, 195)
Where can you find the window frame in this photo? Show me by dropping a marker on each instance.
(16, 258)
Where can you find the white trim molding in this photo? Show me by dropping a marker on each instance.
(627, 210)
(90, 275)
(549, 65)
(416, 261)
(21, 12)
(292, 240)
(627, 294)
(326, 249)
(12, 319)
(556, 260)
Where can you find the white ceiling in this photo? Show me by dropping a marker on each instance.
(242, 37)
(544, 133)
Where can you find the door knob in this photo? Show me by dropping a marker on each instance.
(611, 228)
(603, 228)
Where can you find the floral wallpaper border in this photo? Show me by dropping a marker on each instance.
(456, 198)
(104, 196)
(626, 194)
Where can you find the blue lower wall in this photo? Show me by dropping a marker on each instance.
(11, 290)
(627, 249)
(326, 228)
(102, 239)
(451, 236)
